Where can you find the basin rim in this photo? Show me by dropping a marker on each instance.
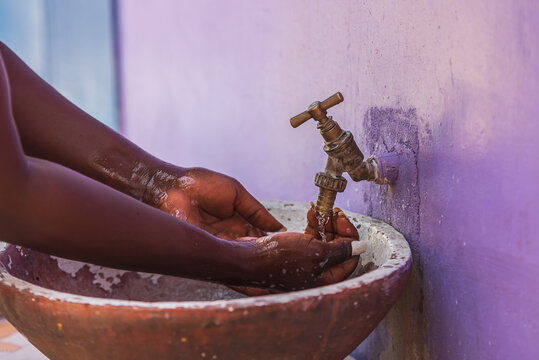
(397, 264)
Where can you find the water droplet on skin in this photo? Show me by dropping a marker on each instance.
(185, 181)
(284, 271)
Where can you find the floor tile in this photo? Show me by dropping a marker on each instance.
(14, 346)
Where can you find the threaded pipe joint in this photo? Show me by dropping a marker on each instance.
(333, 183)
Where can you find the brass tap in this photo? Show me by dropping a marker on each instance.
(343, 156)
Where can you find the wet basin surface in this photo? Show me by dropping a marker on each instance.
(73, 310)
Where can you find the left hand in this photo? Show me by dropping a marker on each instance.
(338, 226)
(218, 204)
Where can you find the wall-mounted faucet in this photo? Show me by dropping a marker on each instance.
(343, 156)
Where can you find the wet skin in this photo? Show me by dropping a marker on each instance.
(72, 187)
(337, 227)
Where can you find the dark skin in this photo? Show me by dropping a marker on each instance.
(337, 226)
(72, 187)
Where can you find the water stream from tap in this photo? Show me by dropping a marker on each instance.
(322, 221)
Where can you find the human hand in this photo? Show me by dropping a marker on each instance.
(337, 226)
(216, 203)
(294, 261)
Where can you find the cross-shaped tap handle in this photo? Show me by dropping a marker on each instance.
(317, 110)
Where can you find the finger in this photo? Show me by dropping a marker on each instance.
(309, 230)
(246, 238)
(254, 212)
(255, 232)
(339, 272)
(234, 227)
(312, 224)
(328, 236)
(224, 235)
(343, 226)
(313, 221)
(338, 251)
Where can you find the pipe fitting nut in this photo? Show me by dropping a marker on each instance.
(326, 181)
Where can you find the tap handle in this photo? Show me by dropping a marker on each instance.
(316, 108)
(331, 101)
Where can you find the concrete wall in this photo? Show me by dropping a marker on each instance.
(451, 85)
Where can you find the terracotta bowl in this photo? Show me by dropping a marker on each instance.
(72, 310)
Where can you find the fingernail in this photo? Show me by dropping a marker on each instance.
(283, 229)
(336, 210)
(358, 247)
(341, 214)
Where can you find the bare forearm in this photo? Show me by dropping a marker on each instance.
(53, 128)
(60, 212)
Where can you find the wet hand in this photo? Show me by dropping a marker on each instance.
(218, 204)
(293, 261)
(338, 226)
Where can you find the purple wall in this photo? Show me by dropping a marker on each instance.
(451, 85)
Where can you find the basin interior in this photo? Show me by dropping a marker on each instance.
(97, 281)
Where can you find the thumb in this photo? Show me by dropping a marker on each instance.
(338, 251)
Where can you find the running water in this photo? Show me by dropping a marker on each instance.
(322, 221)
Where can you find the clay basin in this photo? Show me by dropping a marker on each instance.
(72, 310)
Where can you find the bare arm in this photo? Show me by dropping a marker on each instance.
(51, 208)
(53, 128)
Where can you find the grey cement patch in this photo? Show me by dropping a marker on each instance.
(395, 130)
(401, 335)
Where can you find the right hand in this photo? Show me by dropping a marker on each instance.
(214, 202)
(293, 261)
(339, 226)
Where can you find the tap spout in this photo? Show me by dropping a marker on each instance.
(344, 156)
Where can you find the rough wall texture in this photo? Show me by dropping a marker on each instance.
(402, 334)
(452, 85)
